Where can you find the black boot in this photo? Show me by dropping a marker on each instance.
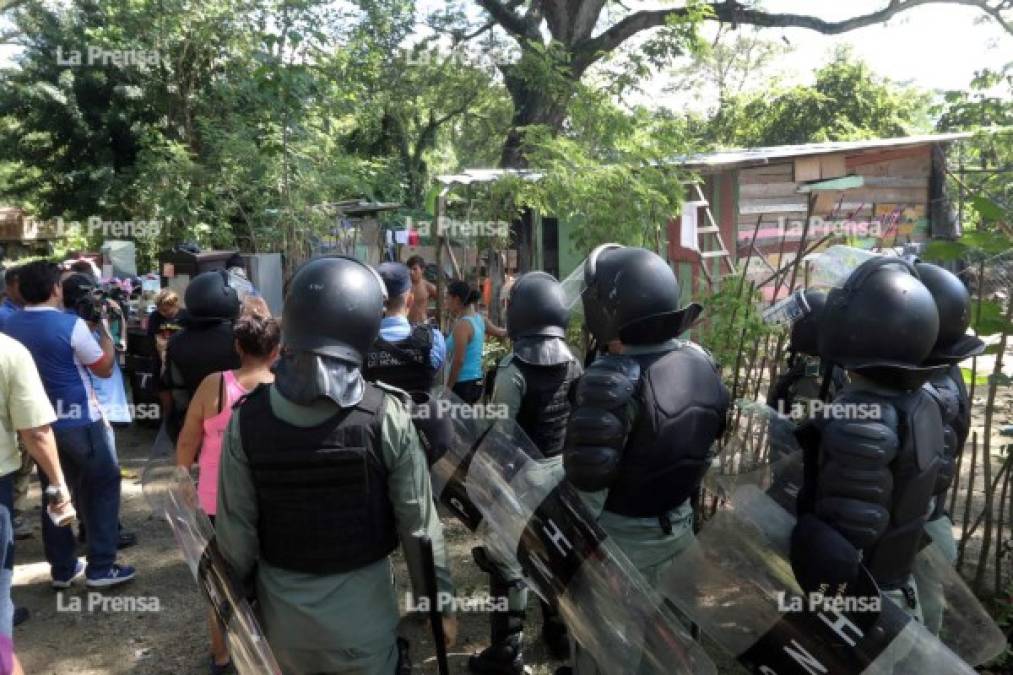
(554, 633)
(504, 656)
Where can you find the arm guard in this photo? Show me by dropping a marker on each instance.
(855, 481)
(600, 423)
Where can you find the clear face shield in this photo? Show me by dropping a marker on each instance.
(828, 270)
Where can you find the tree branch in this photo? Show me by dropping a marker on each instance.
(510, 20)
(730, 11)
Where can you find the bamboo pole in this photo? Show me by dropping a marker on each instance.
(993, 388)
(964, 535)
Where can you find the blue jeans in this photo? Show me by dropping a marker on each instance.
(88, 457)
(6, 574)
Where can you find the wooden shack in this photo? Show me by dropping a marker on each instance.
(759, 201)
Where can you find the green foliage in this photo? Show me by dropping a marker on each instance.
(608, 172)
(846, 102)
(731, 320)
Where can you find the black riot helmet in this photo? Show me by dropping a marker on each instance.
(632, 294)
(805, 332)
(953, 302)
(333, 309)
(209, 297)
(882, 324)
(537, 307)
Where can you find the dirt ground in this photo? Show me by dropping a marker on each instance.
(58, 640)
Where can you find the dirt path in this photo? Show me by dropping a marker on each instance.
(62, 639)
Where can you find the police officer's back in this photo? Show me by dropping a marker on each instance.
(534, 384)
(205, 345)
(872, 460)
(322, 476)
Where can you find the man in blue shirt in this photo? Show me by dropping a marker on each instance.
(12, 297)
(421, 349)
(408, 357)
(64, 351)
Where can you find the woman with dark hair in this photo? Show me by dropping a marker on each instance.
(257, 343)
(466, 341)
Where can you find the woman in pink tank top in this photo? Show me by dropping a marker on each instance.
(257, 340)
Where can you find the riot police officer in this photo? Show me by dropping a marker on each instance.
(801, 382)
(534, 383)
(946, 386)
(321, 476)
(872, 459)
(794, 394)
(204, 346)
(639, 439)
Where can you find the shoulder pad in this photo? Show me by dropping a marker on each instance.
(704, 352)
(399, 394)
(609, 382)
(506, 361)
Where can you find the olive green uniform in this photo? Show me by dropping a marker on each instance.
(337, 623)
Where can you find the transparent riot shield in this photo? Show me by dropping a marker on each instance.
(967, 627)
(466, 425)
(735, 583)
(532, 515)
(170, 493)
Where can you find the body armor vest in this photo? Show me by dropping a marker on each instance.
(404, 364)
(191, 355)
(682, 411)
(546, 405)
(322, 490)
(948, 391)
(876, 477)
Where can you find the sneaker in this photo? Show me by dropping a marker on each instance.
(60, 584)
(117, 574)
(22, 528)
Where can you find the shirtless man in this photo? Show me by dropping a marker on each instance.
(422, 290)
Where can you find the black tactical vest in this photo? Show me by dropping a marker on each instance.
(682, 412)
(876, 478)
(404, 364)
(546, 405)
(321, 491)
(948, 390)
(191, 355)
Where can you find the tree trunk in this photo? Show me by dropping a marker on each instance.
(533, 105)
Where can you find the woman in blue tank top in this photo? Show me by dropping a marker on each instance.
(467, 338)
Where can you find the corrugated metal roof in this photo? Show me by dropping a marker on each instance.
(471, 176)
(742, 156)
(735, 157)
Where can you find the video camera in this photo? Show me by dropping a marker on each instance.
(90, 301)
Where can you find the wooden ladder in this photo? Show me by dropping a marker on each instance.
(712, 231)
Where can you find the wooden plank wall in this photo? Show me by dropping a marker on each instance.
(896, 191)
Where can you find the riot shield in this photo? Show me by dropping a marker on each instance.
(967, 628)
(449, 471)
(170, 492)
(530, 514)
(735, 582)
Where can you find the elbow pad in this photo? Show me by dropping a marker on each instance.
(600, 422)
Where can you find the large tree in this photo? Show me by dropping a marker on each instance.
(560, 40)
